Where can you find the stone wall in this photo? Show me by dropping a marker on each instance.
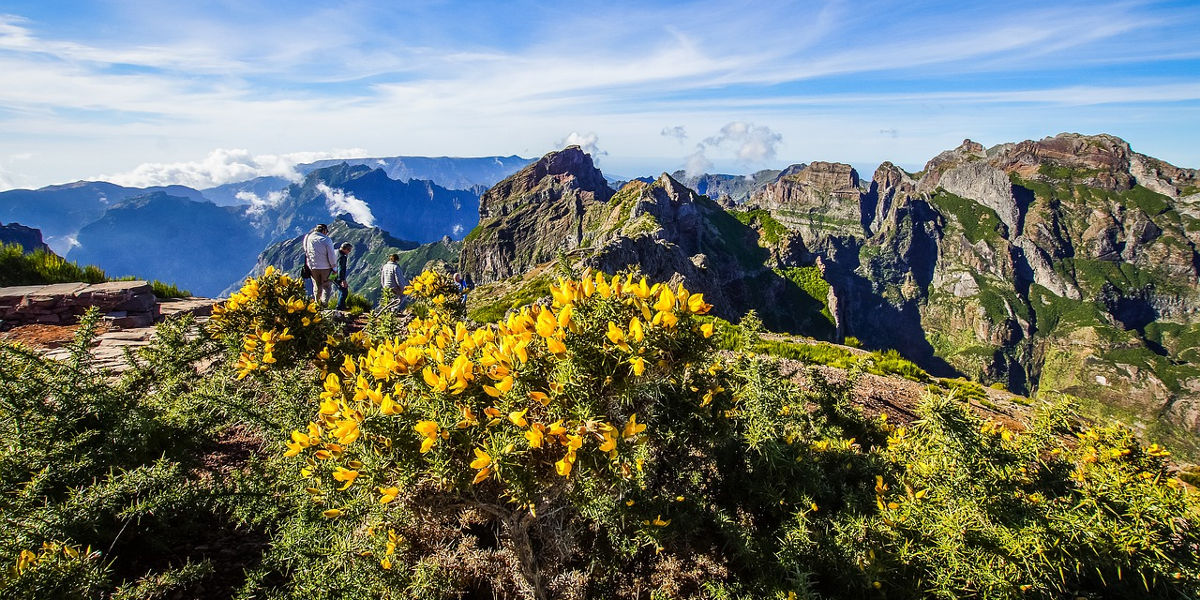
(125, 304)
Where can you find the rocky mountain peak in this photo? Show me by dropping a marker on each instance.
(1101, 161)
(967, 151)
(824, 176)
(674, 190)
(829, 188)
(533, 214)
(568, 169)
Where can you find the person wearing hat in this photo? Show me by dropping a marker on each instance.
(321, 259)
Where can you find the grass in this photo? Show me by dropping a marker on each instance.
(810, 299)
(962, 389)
(42, 267)
(977, 221)
(772, 231)
(168, 290)
(513, 293)
(1065, 173)
(884, 363)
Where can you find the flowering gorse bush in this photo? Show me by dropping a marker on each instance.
(271, 320)
(510, 414)
(435, 291)
(592, 444)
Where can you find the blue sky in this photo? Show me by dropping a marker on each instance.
(201, 93)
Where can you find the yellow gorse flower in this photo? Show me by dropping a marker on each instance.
(481, 379)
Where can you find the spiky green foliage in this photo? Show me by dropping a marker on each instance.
(42, 266)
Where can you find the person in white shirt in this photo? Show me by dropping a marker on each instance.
(392, 278)
(322, 259)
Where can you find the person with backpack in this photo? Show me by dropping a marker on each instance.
(343, 286)
(321, 259)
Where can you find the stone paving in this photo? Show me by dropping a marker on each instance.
(125, 304)
(109, 350)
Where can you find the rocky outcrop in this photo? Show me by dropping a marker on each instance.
(535, 213)
(818, 201)
(124, 303)
(1099, 161)
(28, 238)
(988, 186)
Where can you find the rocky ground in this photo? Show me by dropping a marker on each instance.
(111, 341)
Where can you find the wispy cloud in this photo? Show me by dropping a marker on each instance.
(586, 142)
(223, 166)
(504, 79)
(340, 202)
(257, 206)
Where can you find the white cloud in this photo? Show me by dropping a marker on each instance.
(586, 142)
(132, 83)
(753, 143)
(340, 202)
(677, 132)
(750, 144)
(697, 163)
(258, 205)
(223, 166)
(458, 229)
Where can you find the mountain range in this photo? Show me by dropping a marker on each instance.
(117, 227)
(1062, 265)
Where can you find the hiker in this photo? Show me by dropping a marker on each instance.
(321, 258)
(392, 278)
(463, 285)
(343, 285)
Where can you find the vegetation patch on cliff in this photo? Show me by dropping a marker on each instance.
(772, 231)
(978, 222)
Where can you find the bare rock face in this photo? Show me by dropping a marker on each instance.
(1100, 161)
(988, 186)
(890, 188)
(533, 214)
(1158, 176)
(820, 185)
(965, 152)
(817, 201)
(569, 171)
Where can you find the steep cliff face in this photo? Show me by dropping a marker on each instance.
(1066, 264)
(662, 228)
(819, 201)
(529, 217)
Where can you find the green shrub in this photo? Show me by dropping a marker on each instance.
(100, 476)
(269, 322)
(42, 267)
(168, 290)
(357, 304)
(594, 446)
